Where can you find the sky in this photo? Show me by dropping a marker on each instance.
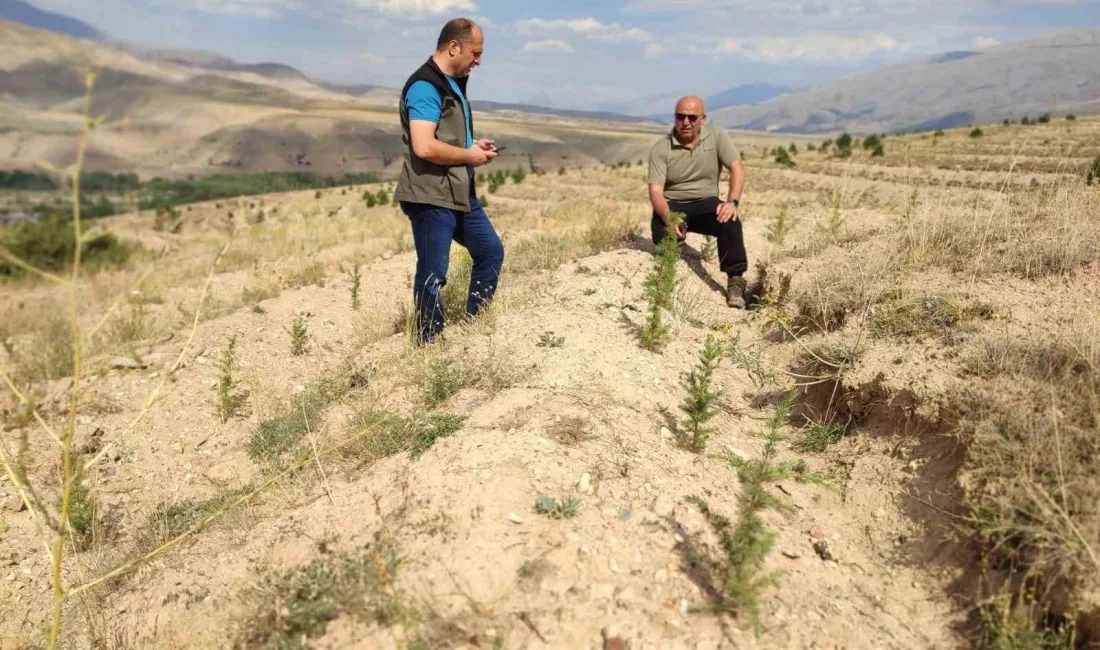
(589, 55)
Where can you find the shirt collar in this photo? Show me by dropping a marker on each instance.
(676, 143)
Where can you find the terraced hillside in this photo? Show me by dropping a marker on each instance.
(902, 431)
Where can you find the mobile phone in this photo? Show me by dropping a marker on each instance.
(499, 149)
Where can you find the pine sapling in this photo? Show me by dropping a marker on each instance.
(660, 285)
(356, 278)
(228, 399)
(737, 573)
(299, 336)
(698, 405)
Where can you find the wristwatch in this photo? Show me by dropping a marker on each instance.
(736, 203)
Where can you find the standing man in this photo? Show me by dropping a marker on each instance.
(436, 187)
(684, 168)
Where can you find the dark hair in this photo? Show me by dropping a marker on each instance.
(459, 29)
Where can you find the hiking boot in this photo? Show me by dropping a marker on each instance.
(735, 292)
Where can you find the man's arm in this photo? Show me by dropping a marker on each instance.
(426, 146)
(658, 201)
(727, 210)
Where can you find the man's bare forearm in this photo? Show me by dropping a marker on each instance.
(737, 181)
(657, 200)
(442, 153)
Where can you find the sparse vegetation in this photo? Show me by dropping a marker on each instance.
(290, 608)
(780, 227)
(379, 434)
(442, 378)
(564, 508)
(976, 132)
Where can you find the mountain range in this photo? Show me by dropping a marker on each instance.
(1056, 73)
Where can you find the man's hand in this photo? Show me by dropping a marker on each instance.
(480, 153)
(727, 212)
(682, 229)
(486, 144)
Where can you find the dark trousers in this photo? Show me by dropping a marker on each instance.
(434, 229)
(702, 218)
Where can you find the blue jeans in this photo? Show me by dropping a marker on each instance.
(433, 230)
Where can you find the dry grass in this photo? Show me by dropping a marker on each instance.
(1027, 234)
(1032, 430)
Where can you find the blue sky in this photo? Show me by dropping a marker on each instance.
(587, 54)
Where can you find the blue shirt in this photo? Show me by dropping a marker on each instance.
(424, 102)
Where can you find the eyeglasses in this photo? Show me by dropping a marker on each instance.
(690, 117)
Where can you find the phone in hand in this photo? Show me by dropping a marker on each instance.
(499, 149)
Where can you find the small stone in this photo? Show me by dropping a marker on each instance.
(660, 576)
(585, 484)
(624, 513)
(612, 640)
(818, 532)
(514, 518)
(679, 538)
(666, 433)
(13, 504)
(388, 255)
(612, 566)
(663, 506)
(125, 363)
(824, 549)
(794, 555)
(626, 597)
(177, 447)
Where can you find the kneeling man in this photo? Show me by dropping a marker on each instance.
(684, 168)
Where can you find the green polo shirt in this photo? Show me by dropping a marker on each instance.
(688, 174)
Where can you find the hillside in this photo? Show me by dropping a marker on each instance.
(173, 113)
(270, 463)
(31, 16)
(1053, 74)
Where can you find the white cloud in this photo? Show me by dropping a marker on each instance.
(812, 48)
(249, 8)
(416, 8)
(984, 42)
(587, 27)
(548, 45)
(653, 50)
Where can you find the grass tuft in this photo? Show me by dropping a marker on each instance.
(564, 508)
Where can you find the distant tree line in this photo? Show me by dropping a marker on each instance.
(160, 192)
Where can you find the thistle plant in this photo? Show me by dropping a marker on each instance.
(698, 405)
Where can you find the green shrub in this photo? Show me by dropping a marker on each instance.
(1094, 171)
(871, 142)
(48, 245)
(783, 157)
(844, 141)
(976, 133)
(1044, 118)
(1071, 117)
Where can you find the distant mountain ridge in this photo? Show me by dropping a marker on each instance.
(28, 14)
(1057, 73)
